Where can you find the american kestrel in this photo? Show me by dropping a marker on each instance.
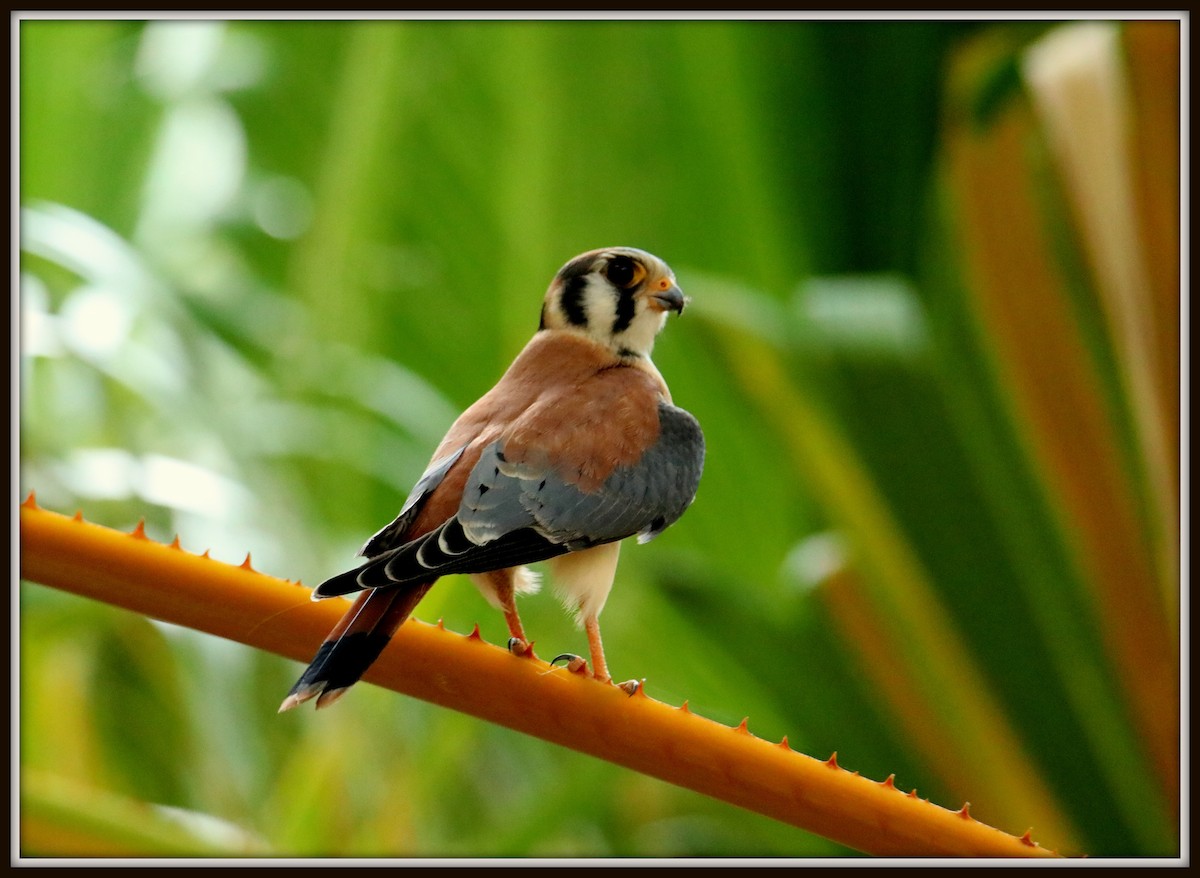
(577, 447)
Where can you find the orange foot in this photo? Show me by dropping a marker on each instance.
(519, 647)
(575, 664)
(578, 665)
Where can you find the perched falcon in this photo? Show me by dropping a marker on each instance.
(576, 448)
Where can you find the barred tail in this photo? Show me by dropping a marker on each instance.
(354, 644)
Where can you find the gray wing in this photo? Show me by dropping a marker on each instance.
(513, 514)
(643, 499)
(389, 537)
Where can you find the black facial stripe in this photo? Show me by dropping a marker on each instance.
(572, 300)
(626, 308)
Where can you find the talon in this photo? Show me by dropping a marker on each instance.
(519, 647)
(630, 687)
(575, 664)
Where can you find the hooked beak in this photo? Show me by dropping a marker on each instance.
(670, 299)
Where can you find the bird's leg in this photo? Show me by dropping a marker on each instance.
(518, 644)
(599, 666)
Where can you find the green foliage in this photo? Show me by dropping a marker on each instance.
(264, 264)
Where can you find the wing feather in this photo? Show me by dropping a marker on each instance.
(519, 513)
(396, 533)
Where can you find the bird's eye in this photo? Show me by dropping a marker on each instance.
(621, 271)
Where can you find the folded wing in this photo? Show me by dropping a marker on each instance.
(519, 513)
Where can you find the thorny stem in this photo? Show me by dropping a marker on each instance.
(525, 694)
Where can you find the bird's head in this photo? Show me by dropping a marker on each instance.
(619, 296)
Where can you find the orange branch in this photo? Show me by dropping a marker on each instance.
(525, 694)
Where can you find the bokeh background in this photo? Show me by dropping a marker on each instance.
(933, 343)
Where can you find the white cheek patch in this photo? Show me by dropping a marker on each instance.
(647, 324)
(599, 301)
